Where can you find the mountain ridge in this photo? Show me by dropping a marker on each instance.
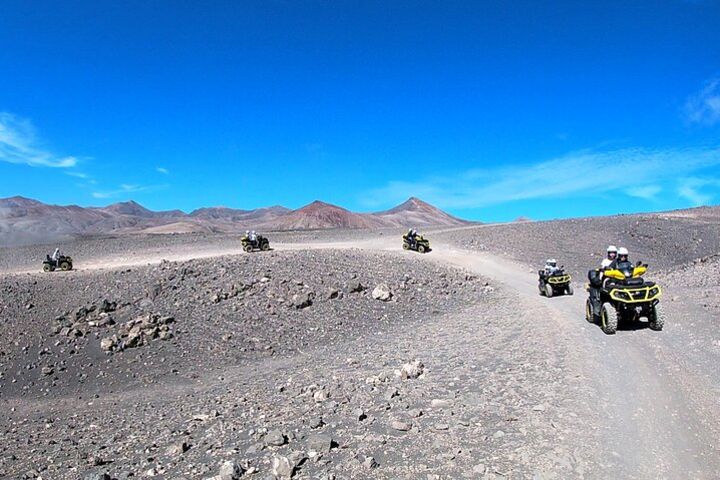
(25, 220)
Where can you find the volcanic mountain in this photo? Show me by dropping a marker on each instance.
(324, 215)
(24, 221)
(415, 212)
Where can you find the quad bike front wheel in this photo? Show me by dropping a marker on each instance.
(608, 319)
(548, 290)
(406, 246)
(421, 248)
(656, 318)
(569, 290)
(65, 266)
(265, 247)
(248, 248)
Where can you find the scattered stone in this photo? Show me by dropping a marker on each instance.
(359, 414)
(412, 370)
(391, 393)
(438, 403)
(177, 449)
(370, 463)
(382, 292)
(401, 426)
(282, 468)
(275, 438)
(97, 476)
(230, 470)
(107, 344)
(320, 443)
(354, 286)
(302, 300)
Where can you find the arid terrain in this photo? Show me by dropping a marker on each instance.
(339, 355)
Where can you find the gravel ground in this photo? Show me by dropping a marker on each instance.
(280, 365)
(202, 314)
(488, 400)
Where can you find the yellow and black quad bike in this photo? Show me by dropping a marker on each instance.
(556, 284)
(419, 243)
(261, 243)
(622, 295)
(63, 262)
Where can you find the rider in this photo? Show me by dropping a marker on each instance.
(622, 255)
(253, 236)
(56, 255)
(551, 267)
(607, 263)
(411, 235)
(612, 253)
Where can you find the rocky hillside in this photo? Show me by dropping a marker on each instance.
(665, 240)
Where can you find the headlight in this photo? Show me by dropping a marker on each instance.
(621, 295)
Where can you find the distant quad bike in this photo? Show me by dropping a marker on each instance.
(556, 284)
(63, 262)
(624, 297)
(261, 243)
(421, 244)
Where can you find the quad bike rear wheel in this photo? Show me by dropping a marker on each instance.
(548, 290)
(656, 318)
(47, 267)
(421, 248)
(265, 247)
(589, 315)
(608, 319)
(569, 290)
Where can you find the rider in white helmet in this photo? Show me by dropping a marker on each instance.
(551, 266)
(612, 253)
(622, 254)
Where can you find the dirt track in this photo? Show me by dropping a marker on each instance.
(633, 405)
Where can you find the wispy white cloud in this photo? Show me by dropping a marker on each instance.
(648, 192)
(18, 144)
(695, 190)
(126, 188)
(583, 172)
(82, 175)
(162, 170)
(704, 107)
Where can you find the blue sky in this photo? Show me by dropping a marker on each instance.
(490, 110)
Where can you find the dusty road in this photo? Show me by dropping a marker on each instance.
(657, 411)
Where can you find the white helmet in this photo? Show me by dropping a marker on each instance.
(622, 251)
(551, 261)
(612, 248)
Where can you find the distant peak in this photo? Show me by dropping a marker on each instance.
(320, 205)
